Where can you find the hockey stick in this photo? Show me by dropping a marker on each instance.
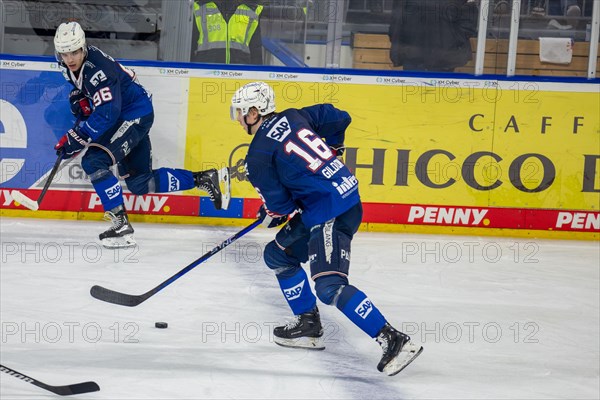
(66, 390)
(35, 204)
(131, 300)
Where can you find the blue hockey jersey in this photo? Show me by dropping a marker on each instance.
(113, 90)
(292, 168)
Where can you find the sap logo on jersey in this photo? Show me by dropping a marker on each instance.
(364, 308)
(280, 131)
(173, 182)
(113, 191)
(294, 292)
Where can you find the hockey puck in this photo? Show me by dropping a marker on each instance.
(161, 325)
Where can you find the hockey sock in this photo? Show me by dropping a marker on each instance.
(173, 180)
(358, 308)
(109, 190)
(297, 292)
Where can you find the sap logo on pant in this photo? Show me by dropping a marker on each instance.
(173, 182)
(294, 292)
(113, 191)
(125, 148)
(146, 203)
(364, 308)
(345, 255)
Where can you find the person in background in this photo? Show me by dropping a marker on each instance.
(432, 35)
(569, 8)
(293, 164)
(114, 116)
(558, 8)
(227, 32)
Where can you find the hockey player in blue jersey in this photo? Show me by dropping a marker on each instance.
(293, 164)
(115, 114)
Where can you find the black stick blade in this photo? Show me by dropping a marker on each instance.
(110, 296)
(130, 300)
(68, 390)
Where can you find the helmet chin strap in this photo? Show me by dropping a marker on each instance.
(250, 125)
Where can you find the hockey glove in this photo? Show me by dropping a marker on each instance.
(338, 150)
(80, 105)
(270, 219)
(71, 143)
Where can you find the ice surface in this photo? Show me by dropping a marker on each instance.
(499, 318)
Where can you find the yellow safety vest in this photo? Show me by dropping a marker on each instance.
(216, 33)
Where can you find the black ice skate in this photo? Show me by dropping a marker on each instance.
(304, 331)
(398, 350)
(121, 233)
(210, 180)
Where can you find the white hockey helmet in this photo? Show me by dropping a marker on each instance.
(69, 37)
(255, 94)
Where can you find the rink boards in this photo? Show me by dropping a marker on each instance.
(432, 154)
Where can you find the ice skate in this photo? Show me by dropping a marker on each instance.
(210, 181)
(398, 350)
(304, 331)
(120, 235)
